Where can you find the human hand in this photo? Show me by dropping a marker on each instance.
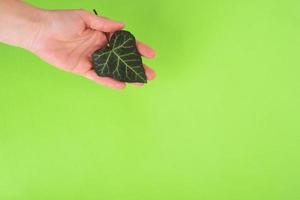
(63, 38)
(67, 38)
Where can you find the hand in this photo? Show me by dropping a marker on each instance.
(67, 38)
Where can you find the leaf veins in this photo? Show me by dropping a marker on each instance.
(120, 59)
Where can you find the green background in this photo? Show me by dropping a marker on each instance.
(221, 121)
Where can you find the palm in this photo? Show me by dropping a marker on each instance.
(68, 42)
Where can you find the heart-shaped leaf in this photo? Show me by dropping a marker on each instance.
(120, 59)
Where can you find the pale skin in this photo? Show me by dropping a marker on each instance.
(63, 38)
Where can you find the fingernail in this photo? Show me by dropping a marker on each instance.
(151, 75)
(153, 54)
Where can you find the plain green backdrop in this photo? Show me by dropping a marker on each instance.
(221, 121)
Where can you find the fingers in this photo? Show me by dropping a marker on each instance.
(100, 23)
(150, 73)
(106, 81)
(145, 50)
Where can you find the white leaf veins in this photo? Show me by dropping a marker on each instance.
(120, 59)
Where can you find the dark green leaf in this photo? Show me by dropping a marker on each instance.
(120, 59)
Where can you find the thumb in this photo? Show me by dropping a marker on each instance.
(100, 23)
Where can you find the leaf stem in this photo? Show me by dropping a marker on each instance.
(95, 12)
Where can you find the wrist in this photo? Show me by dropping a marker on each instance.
(20, 23)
